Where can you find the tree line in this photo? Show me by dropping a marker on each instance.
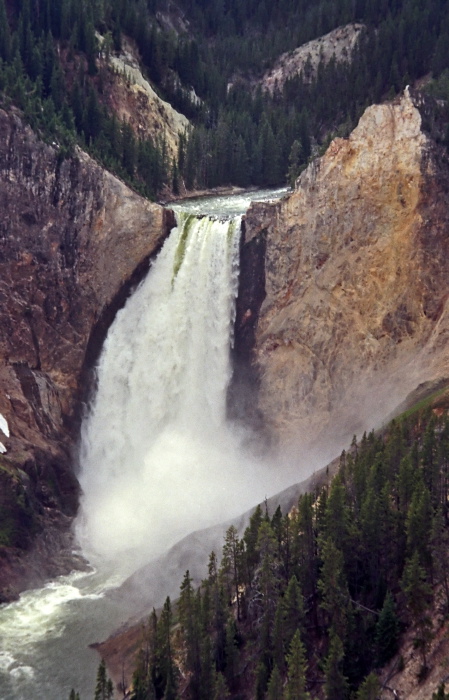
(53, 67)
(320, 596)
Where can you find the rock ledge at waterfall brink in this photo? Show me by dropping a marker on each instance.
(71, 239)
(354, 313)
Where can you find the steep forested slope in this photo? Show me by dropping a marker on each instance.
(310, 603)
(206, 58)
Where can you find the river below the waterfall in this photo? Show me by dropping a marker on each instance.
(45, 635)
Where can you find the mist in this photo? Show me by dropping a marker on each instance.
(158, 458)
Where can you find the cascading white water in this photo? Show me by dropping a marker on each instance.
(157, 457)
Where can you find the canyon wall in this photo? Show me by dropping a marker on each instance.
(350, 311)
(73, 240)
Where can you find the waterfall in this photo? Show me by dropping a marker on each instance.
(157, 456)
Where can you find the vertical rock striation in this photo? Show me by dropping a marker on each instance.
(356, 268)
(73, 239)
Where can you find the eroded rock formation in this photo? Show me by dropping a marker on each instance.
(338, 45)
(72, 240)
(354, 312)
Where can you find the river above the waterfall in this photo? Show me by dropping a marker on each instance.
(226, 205)
(45, 635)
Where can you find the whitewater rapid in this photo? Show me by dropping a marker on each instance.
(157, 457)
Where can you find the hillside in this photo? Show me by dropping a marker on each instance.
(336, 46)
(63, 65)
(352, 580)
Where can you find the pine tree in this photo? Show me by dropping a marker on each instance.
(295, 160)
(165, 673)
(103, 689)
(232, 564)
(189, 617)
(387, 631)
(296, 671)
(335, 685)
(333, 588)
(221, 691)
(293, 608)
(5, 35)
(418, 596)
(274, 689)
(439, 543)
(418, 525)
(370, 688)
(250, 540)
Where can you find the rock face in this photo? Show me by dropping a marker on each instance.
(338, 45)
(354, 312)
(73, 239)
(134, 101)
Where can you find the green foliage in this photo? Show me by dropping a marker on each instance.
(104, 689)
(239, 137)
(440, 693)
(275, 685)
(387, 631)
(370, 688)
(418, 595)
(221, 691)
(321, 576)
(296, 671)
(335, 684)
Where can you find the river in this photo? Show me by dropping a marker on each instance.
(45, 635)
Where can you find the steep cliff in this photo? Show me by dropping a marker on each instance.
(73, 239)
(353, 311)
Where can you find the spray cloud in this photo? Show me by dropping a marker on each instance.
(158, 458)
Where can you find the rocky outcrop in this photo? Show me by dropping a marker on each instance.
(133, 99)
(338, 45)
(72, 240)
(354, 311)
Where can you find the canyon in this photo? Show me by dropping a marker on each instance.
(341, 313)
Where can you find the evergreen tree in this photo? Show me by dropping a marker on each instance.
(232, 564)
(295, 160)
(296, 671)
(103, 689)
(335, 685)
(5, 35)
(418, 597)
(370, 688)
(165, 672)
(333, 588)
(387, 631)
(274, 689)
(418, 525)
(439, 543)
(221, 691)
(293, 609)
